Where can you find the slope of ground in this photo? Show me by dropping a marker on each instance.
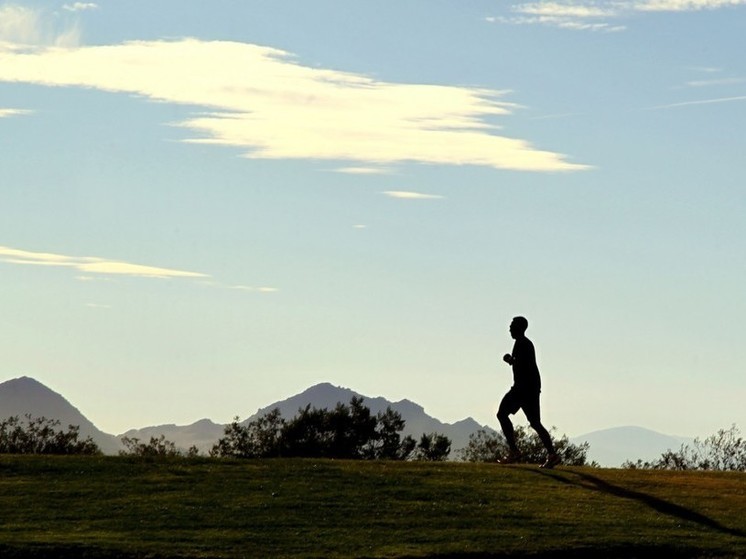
(127, 508)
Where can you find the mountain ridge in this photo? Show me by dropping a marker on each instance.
(609, 447)
(417, 421)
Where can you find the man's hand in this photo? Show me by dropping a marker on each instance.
(508, 358)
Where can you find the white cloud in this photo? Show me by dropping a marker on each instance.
(264, 289)
(23, 26)
(684, 5)
(91, 265)
(262, 100)
(556, 9)
(80, 6)
(240, 287)
(4, 113)
(562, 22)
(364, 170)
(405, 195)
(593, 15)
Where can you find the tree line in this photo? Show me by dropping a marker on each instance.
(352, 431)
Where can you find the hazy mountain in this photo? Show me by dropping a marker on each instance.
(203, 434)
(25, 395)
(327, 396)
(612, 447)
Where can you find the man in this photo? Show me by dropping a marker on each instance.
(524, 394)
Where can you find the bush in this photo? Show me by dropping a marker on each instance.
(158, 447)
(487, 446)
(349, 431)
(42, 436)
(723, 451)
(433, 448)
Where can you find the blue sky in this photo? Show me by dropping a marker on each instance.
(207, 207)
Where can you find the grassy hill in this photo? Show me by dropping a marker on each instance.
(121, 507)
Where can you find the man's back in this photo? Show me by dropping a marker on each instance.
(525, 370)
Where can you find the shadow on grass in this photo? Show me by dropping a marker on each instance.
(620, 552)
(72, 551)
(662, 506)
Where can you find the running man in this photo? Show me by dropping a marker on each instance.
(524, 394)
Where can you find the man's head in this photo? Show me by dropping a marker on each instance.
(518, 327)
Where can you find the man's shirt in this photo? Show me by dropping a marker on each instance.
(525, 370)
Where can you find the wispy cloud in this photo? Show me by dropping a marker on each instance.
(261, 99)
(91, 265)
(4, 113)
(364, 170)
(599, 15)
(698, 102)
(24, 26)
(713, 83)
(80, 6)
(406, 195)
(249, 288)
(683, 5)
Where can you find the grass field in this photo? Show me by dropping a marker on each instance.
(111, 507)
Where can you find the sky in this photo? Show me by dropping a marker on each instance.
(207, 207)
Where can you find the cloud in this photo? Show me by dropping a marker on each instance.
(91, 265)
(364, 170)
(710, 83)
(4, 113)
(405, 195)
(264, 289)
(593, 15)
(698, 102)
(684, 5)
(80, 6)
(23, 26)
(261, 99)
(250, 288)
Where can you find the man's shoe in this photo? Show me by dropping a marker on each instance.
(512, 457)
(552, 460)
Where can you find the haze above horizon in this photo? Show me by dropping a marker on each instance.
(210, 207)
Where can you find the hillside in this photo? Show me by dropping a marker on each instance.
(107, 507)
(25, 395)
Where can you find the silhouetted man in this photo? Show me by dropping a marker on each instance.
(524, 394)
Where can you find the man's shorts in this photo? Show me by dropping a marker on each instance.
(527, 400)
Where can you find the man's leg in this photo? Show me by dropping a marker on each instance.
(532, 410)
(533, 413)
(508, 406)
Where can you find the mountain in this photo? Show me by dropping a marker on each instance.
(25, 395)
(612, 447)
(327, 396)
(203, 434)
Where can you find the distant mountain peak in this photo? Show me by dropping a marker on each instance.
(325, 395)
(410, 406)
(25, 395)
(25, 383)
